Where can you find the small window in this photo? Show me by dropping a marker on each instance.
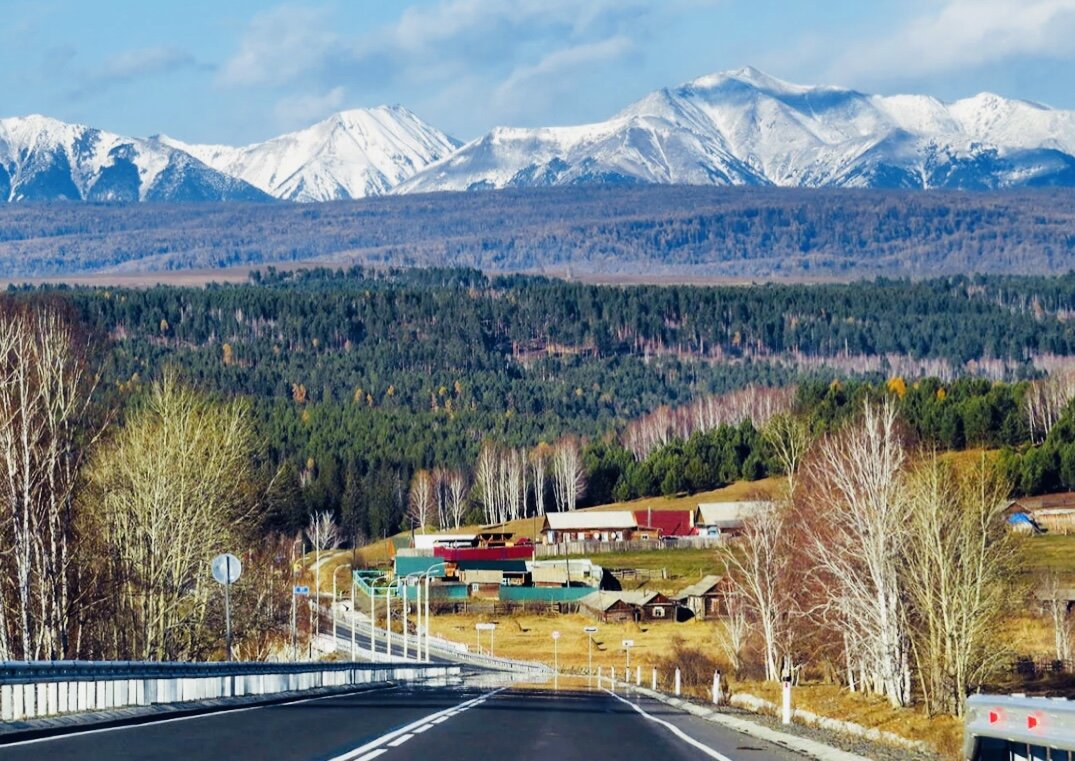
(658, 612)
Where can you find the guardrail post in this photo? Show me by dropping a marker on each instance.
(41, 699)
(6, 702)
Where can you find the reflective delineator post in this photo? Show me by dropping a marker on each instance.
(638, 676)
(716, 687)
(654, 685)
(599, 677)
(678, 682)
(785, 713)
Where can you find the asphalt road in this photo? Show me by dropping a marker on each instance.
(422, 724)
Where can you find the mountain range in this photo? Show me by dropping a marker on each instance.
(740, 127)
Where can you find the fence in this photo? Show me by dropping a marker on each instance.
(33, 689)
(640, 545)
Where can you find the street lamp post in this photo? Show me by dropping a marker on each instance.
(334, 572)
(590, 631)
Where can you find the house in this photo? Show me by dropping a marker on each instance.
(703, 598)
(1054, 513)
(590, 525)
(577, 572)
(676, 523)
(725, 518)
(621, 607)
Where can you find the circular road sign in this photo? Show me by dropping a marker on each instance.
(226, 568)
(556, 635)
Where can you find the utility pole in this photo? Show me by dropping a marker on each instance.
(404, 615)
(353, 611)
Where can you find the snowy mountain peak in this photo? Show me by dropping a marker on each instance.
(351, 154)
(744, 127)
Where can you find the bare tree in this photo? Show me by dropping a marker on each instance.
(323, 533)
(539, 465)
(172, 490)
(568, 474)
(1056, 607)
(732, 635)
(759, 575)
(958, 574)
(457, 496)
(486, 477)
(789, 438)
(1045, 401)
(860, 546)
(421, 503)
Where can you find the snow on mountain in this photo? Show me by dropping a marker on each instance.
(352, 154)
(745, 127)
(47, 159)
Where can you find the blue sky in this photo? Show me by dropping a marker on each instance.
(237, 71)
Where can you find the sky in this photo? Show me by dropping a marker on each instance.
(240, 71)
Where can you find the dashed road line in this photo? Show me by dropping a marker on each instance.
(375, 748)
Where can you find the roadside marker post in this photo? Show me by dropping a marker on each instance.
(590, 631)
(678, 682)
(716, 687)
(654, 687)
(638, 676)
(785, 713)
(555, 654)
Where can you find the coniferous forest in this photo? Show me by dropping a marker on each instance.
(358, 379)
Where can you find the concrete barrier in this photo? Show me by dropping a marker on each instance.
(35, 689)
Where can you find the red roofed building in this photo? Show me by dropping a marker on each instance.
(668, 522)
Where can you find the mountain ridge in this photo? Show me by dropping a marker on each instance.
(741, 127)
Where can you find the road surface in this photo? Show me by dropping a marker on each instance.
(422, 724)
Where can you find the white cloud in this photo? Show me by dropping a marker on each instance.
(530, 85)
(280, 46)
(303, 110)
(965, 34)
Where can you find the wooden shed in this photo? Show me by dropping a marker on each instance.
(702, 598)
(622, 607)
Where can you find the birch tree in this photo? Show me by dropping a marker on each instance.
(860, 544)
(45, 393)
(168, 493)
(421, 502)
(759, 574)
(568, 473)
(958, 574)
(789, 438)
(539, 465)
(456, 486)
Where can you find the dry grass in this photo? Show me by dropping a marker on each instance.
(529, 637)
(945, 733)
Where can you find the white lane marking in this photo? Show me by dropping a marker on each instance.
(420, 730)
(399, 741)
(674, 729)
(204, 715)
(433, 718)
(371, 756)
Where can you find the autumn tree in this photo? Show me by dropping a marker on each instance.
(421, 502)
(568, 474)
(172, 489)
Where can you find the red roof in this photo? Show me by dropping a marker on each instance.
(462, 554)
(669, 522)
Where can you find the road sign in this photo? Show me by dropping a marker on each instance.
(226, 568)
(628, 643)
(485, 627)
(556, 635)
(302, 590)
(590, 630)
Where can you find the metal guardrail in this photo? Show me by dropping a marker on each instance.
(34, 689)
(1014, 727)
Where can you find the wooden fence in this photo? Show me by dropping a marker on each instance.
(600, 548)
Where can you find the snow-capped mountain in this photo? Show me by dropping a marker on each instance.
(46, 159)
(352, 154)
(744, 127)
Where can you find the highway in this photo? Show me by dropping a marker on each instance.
(421, 724)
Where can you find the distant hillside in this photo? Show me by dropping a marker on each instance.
(649, 231)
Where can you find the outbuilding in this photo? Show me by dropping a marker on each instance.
(622, 607)
(590, 525)
(726, 518)
(702, 598)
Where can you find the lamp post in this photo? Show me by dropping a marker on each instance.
(334, 572)
(590, 631)
(427, 574)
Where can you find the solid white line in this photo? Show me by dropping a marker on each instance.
(674, 729)
(434, 718)
(399, 741)
(203, 715)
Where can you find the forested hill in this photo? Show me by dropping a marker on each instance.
(648, 231)
(359, 378)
